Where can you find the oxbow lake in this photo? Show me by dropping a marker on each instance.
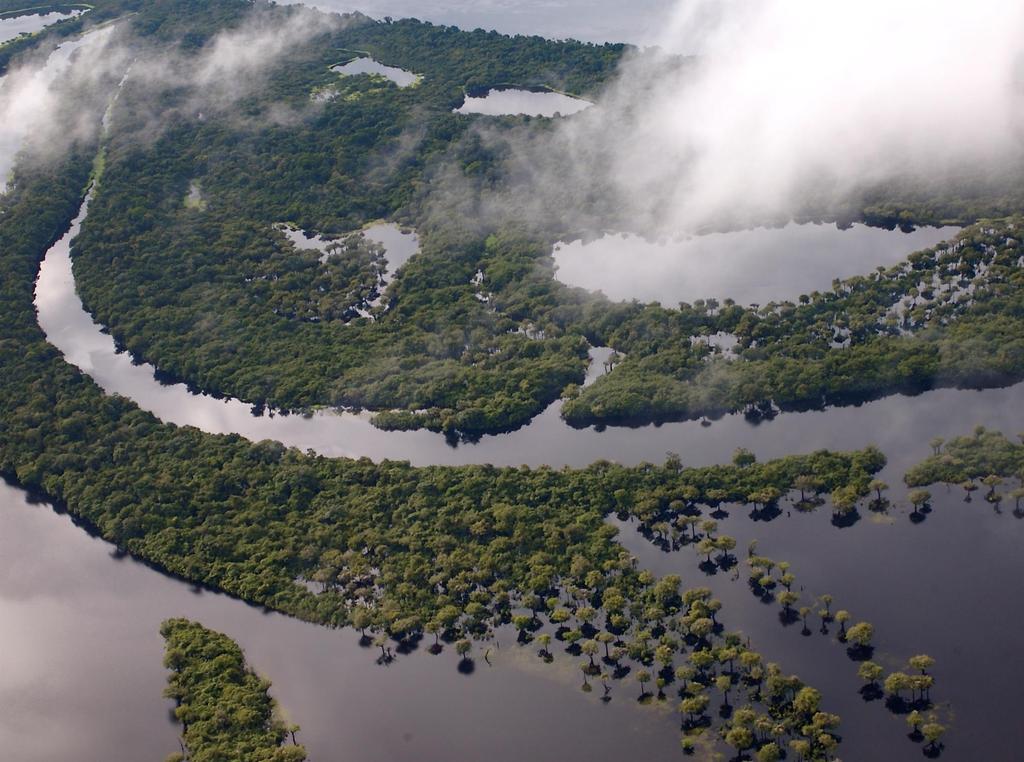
(750, 266)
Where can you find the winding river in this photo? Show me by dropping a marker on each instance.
(84, 612)
(80, 653)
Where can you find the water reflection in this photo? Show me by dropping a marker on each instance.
(510, 101)
(749, 266)
(367, 65)
(30, 23)
(896, 424)
(81, 657)
(928, 587)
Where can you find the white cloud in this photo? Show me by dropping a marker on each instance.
(801, 99)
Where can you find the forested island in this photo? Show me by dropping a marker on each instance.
(223, 707)
(183, 256)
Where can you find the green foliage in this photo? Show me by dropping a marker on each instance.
(947, 316)
(964, 459)
(213, 294)
(224, 708)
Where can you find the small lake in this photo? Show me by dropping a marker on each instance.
(367, 65)
(511, 101)
(750, 266)
(12, 27)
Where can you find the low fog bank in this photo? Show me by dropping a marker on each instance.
(52, 98)
(753, 113)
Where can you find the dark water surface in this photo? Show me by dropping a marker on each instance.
(79, 624)
(944, 587)
(82, 674)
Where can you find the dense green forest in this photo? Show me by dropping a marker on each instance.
(390, 549)
(215, 295)
(396, 549)
(222, 705)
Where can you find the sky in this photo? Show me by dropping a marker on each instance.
(636, 22)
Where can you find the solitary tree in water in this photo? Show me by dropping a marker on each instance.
(922, 662)
(806, 484)
(826, 601)
(694, 706)
(842, 616)
(992, 481)
(932, 732)
(590, 648)
(896, 683)
(861, 634)
(545, 640)
(869, 672)
(740, 738)
(878, 487)
(643, 677)
(844, 501)
(919, 498)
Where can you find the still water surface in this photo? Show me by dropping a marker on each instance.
(30, 23)
(81, 659)
(80, 653)
(511, 101)
(894, 423)
(367, 65)
(940, 587)
(750, 266)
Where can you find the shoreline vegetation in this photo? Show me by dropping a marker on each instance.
(238, 312)
(401, 553)
(491, 542)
